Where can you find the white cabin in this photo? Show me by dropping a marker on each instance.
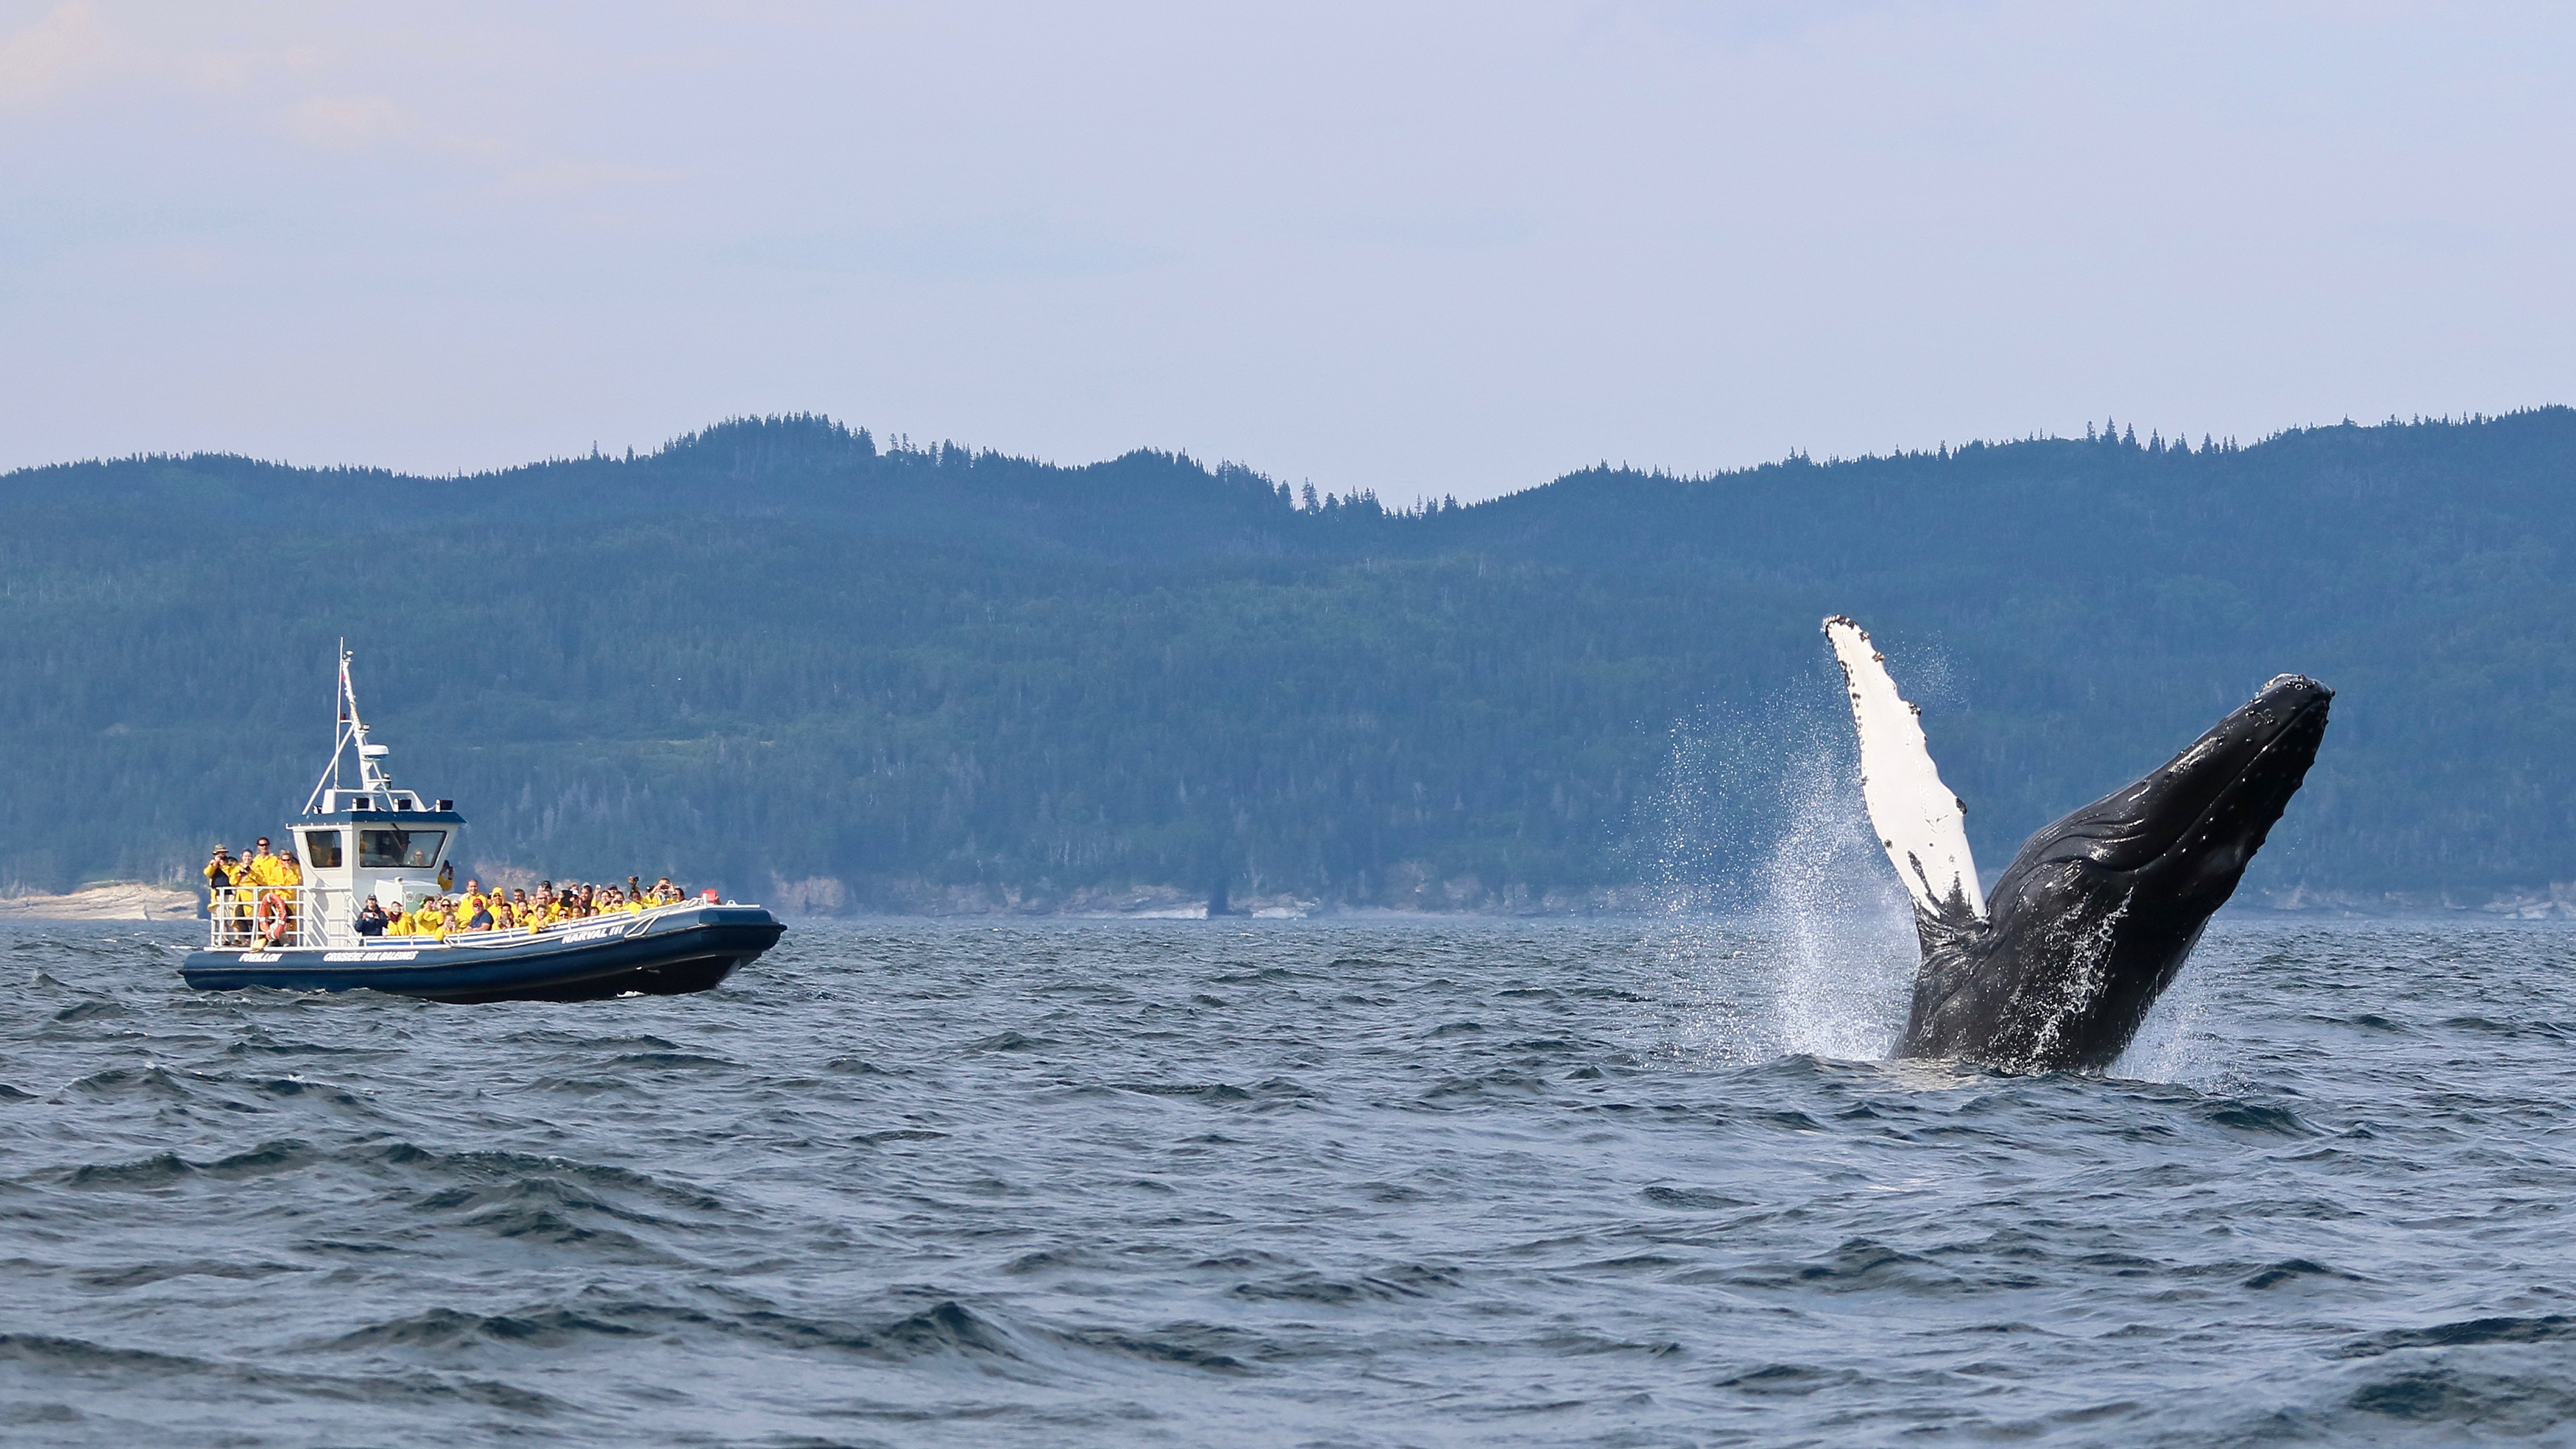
(365, 844)
(377, 839)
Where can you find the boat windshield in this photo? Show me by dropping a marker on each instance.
(390, 847)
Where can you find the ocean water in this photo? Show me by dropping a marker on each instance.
(1298, 1183)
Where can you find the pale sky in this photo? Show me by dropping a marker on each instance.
(1420, 249)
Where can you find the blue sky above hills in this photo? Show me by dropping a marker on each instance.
(1413, 249)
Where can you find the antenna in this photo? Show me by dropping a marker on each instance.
(351, 729)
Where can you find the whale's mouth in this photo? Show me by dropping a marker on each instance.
(2201, 817)
(2214, 849)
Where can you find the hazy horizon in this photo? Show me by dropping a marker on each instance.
(884, 441)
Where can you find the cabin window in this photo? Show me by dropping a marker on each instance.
(378, 849)
(322, 849)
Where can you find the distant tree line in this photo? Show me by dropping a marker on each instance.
(776, 651)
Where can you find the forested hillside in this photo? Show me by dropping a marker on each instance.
(775, 652)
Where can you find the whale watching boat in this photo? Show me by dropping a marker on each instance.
(381, 840)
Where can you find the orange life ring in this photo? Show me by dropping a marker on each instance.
(272, 916)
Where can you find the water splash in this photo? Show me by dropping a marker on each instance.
(1846, 955)
(1789, 932)
(2174, 1044)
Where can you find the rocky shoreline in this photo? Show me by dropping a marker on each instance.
(106, 901)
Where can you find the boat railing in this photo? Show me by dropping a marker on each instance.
(257, 917)
(612, 923)
(271, 917)
(621, 922)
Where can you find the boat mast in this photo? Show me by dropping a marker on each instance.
(351, 729)
(335, 729)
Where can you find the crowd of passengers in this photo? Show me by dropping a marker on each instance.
(234, 884)
(260, 868)
(516, 910)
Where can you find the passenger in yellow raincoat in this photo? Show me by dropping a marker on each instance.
(404, 923)
(257, 872)
(263, 869)
(219, 871)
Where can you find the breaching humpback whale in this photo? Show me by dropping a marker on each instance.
(2094, 917)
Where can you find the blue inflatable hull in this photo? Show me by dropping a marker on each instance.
(666, 953)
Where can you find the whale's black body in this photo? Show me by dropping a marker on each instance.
(2094, 917)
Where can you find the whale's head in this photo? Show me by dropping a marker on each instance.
(2091, 920)
(2182, 836)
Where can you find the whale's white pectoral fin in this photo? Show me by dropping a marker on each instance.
(1922, 825)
